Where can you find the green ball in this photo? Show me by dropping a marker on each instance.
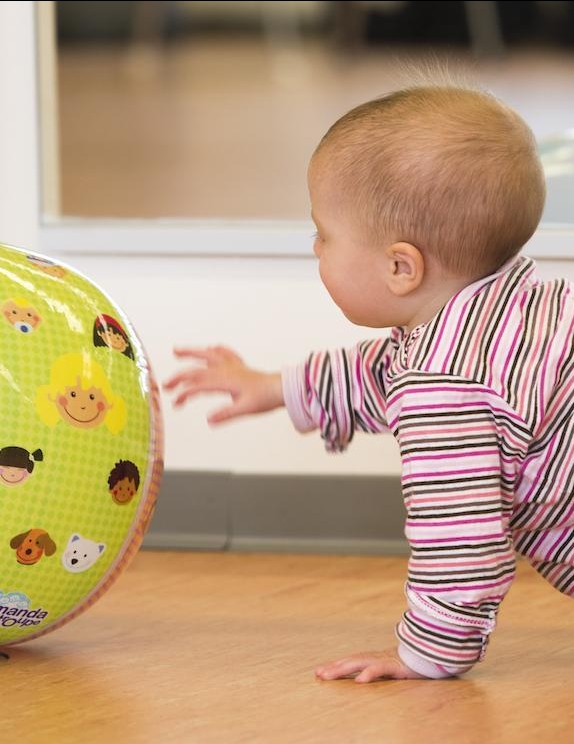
(81, 444)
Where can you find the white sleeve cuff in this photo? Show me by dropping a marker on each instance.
(422, 666)
(292, 381)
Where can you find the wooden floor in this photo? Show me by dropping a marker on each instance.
(220, 647)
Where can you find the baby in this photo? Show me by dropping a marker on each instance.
(422, 201)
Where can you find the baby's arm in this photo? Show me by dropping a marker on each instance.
(462, 560)
(223, 371)
(339, 392)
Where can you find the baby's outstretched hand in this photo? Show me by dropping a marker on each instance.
(223, 371)
(368, 667)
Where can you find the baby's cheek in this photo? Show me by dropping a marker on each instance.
(62, 400)
(101, 406)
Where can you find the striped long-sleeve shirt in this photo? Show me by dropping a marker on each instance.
(481, 402)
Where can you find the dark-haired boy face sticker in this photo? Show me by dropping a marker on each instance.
(17, 464)
(123, 481)
(109, 332)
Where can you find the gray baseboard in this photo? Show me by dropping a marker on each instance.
(279, 513)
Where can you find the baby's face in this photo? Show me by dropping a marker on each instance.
(351, 267)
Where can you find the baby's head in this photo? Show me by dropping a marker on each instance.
(448, 169)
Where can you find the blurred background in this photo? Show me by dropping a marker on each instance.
(212, 109)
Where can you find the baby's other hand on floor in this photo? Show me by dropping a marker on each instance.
(367, 667)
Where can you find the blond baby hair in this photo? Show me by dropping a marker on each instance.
(450, 169)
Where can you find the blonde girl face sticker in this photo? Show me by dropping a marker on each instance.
(82, 408)
(80, 394)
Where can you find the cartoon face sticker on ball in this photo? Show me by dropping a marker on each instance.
(109, 332)
(81, 553)
(47, 266)
(17, 464)
(80, 394)
(21, 315)
(31, 545)
(123, 481)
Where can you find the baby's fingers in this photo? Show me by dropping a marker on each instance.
(211, 355)
(198, 380)
(181, 379)
(173, 382)
(342, 668)
(367, 667)
(225, 413)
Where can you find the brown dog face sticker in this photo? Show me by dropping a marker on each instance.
(123, 481)
(30, 546)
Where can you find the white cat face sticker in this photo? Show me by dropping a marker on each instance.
(81, 553)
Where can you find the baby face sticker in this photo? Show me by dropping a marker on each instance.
(82, 408)
(80, 394)
(22, 316)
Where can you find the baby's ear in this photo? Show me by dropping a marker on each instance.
(405, 268)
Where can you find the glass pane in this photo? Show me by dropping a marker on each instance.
(212, 109)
